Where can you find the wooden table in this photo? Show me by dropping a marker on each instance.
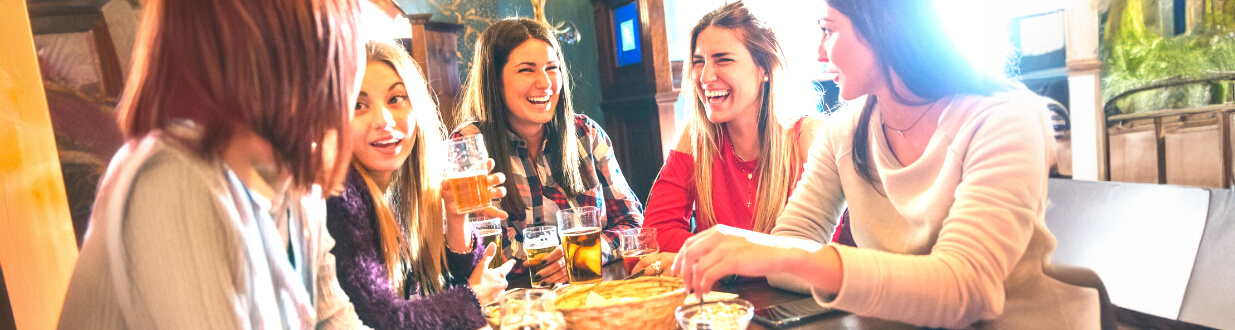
(760, 294)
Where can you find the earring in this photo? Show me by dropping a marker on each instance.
(765, 79)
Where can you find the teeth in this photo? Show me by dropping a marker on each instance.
(716, 93)
(539, 99)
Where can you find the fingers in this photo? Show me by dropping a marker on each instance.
(555, 270)
(479, 271)
(497, 179)
(497, 192)
(506, 267)
(492, 212)
(489, 164)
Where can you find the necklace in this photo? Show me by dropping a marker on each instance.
(915, 121)
(738, 164)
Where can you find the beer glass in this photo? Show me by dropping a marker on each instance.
(490, 231)
(538, 242)
(466, 173)
(580, 230)
(637, 243)
(530, 309)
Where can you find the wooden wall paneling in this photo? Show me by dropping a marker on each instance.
(1133, 151)
(1193, 150)
(434, 46)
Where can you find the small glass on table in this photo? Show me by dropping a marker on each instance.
(637, 243)
(538, 241)
(466, 173)
(580, 230)
(530, 309)
(490, 231)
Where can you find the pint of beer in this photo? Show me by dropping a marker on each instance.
(538, 242)
(490, 231)
(580, 228)
(466, 174)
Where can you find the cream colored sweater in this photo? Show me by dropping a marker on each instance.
(959, 239)
(176, 242)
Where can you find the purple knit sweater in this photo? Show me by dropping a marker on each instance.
(352, 222)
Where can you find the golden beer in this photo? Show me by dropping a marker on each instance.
(536, 262)
(471, 191)
(493, 236)
(582, 247)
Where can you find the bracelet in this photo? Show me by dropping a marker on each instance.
(471, 246)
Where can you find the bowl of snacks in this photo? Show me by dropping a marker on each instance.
(641, 303)
(729, 314)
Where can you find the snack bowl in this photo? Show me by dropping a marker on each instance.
(729, 314)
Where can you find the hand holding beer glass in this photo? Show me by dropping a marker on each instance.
(467, 172)
(637, 243)
(580, 229)
(539, 242)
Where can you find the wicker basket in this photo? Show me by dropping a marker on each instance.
(659, 297)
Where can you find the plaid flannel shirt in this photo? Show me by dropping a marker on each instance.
(532, 177)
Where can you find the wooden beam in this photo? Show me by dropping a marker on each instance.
(37, 246)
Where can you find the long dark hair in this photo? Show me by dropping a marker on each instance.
(484, 103)
(908, 37)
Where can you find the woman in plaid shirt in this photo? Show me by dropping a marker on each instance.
(516, 97)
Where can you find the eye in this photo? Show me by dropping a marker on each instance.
(696, 62)
(361, 107)
(525, 70)
(551, 68)
(397, 99)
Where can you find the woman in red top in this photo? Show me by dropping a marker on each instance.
(753, 141)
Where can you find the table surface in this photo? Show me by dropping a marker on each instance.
(761, 295)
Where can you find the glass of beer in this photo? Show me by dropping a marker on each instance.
(490, 231)
(530, 309)
(466, 173)
(580, 229)
(538, 242)
(637, 243)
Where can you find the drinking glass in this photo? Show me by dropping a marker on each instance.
(530, 309)
(490, 231)
(538, 241)
(466, 173)
(637, 243)
(580, 230)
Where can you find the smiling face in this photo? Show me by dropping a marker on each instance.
(532, 83)
(848, 57)
(726, 78)
(384, 125)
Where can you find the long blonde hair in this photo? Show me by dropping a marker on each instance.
(778, 155)
(415, 189)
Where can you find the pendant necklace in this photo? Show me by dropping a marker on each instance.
(915, 121)
(738, 164)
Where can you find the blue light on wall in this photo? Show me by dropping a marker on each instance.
(626, 35)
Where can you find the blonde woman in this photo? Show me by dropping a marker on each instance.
(740, 156)
(401, 270)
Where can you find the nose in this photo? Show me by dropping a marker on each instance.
(387, 120)
(707, 74)
(544, 80)
(823, 53)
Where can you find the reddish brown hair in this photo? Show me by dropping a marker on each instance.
(286, 69)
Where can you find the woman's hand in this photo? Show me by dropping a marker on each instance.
(555, 268)
(496, 191)
(488, 284)
(665, 260)
(724, 250)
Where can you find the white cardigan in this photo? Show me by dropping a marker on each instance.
(957, 238)
(177, 241)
